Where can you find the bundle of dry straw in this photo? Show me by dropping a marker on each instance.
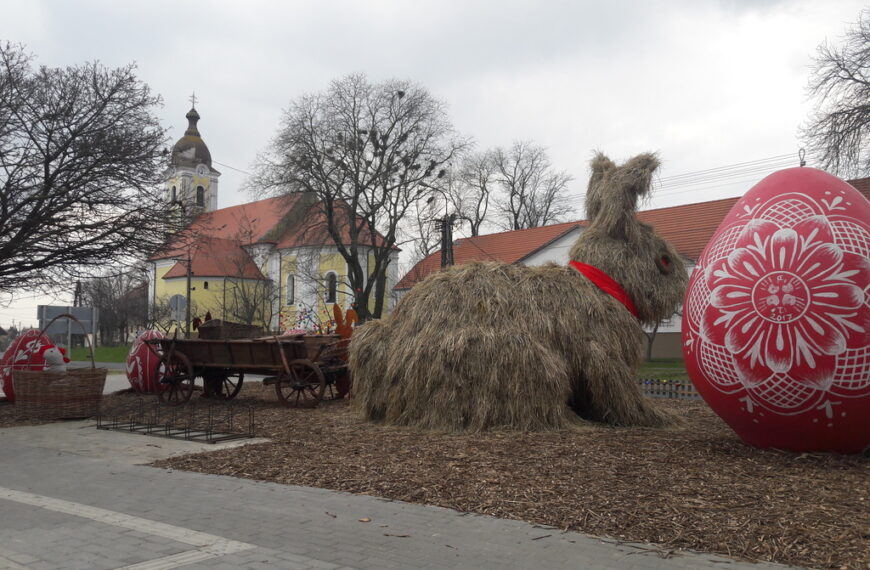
(490, 345)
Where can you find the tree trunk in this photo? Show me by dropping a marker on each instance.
(380, 287)
(651, 337)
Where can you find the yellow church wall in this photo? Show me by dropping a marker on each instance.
(335, 263)
(204, 300)
(287, 314)
(203, 181)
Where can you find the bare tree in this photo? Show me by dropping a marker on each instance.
(249, 301)
(531, 193)
(80, 163)
(367, 153)
(121, 297)
(838, 132)
(164, 315)
(419, 226)
(472, 190)
(246, 298)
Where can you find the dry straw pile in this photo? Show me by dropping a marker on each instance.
(495, 346)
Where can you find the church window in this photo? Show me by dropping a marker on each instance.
(291, 289)
(174, 195)
(200, 196)
(205, 284)
(331, 287)
(177, 307)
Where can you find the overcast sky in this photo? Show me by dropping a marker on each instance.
(706, 84)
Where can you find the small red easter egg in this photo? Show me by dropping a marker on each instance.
(22, 353)
(142, 363)
(776, 319)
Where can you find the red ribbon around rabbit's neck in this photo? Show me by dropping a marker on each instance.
(606, 283)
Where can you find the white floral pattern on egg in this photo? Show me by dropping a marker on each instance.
(776, 329)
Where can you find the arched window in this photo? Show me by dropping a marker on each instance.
(177, 307)
(200, 196)
(331, 287)
(291, 289)
(174, 196)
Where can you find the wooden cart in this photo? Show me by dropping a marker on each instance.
(302, 368)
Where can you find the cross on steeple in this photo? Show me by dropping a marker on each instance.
(193, 100)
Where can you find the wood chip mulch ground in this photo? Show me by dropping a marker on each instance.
(10, 416)
(695, 487)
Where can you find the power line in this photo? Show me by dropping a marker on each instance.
(232, 167)
(730, 166)
(723, 177)
(705, 187)
(720, 176)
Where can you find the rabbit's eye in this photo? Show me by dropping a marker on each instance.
(664, 264)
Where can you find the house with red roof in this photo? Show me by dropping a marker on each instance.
(687, 227)
(270, 262)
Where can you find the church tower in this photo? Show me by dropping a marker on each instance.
(190, 179)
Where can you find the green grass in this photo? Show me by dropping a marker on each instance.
(670, 369)
(102, 353)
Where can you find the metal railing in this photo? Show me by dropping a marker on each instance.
(217, 422)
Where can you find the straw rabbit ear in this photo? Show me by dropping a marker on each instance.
(618, 192)
(601, 166)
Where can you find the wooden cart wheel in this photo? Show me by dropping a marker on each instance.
(303, 388)
(175, 371)
(329, 390)
(222, 384)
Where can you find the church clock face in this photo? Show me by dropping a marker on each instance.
(201, 170)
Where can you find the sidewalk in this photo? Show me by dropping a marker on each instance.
(86, 504)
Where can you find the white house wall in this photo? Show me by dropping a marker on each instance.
(392, 279)
(556, 252)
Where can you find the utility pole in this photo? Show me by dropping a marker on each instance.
(188, 264)
(445, 224)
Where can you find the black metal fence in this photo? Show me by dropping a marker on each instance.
(214, 423)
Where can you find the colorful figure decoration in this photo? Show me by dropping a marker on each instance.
(55, 359)
(142, 363)
(776, 321)
(23, 354)
(344, 324)
(491, 345)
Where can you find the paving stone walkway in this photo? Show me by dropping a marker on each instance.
(63, 508)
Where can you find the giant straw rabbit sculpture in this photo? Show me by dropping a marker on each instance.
(491, 345)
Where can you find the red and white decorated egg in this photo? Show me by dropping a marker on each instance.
(22, 351)
(142, 363)
(776, 320)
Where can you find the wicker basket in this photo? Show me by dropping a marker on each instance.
(75, 393)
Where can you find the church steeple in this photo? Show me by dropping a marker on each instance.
(191, 179)
(192, 119)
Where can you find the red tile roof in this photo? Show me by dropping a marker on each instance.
(217, 257)
(286, 221)
(508, 247)
(247, 223)
(313, 231)
(688, 228)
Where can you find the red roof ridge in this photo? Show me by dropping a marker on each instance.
(254, 203)
(523, 230)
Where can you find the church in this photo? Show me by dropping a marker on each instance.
(269, 263)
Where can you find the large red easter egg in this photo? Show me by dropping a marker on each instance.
(776, 320)
(23, 351)
(142, 363)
